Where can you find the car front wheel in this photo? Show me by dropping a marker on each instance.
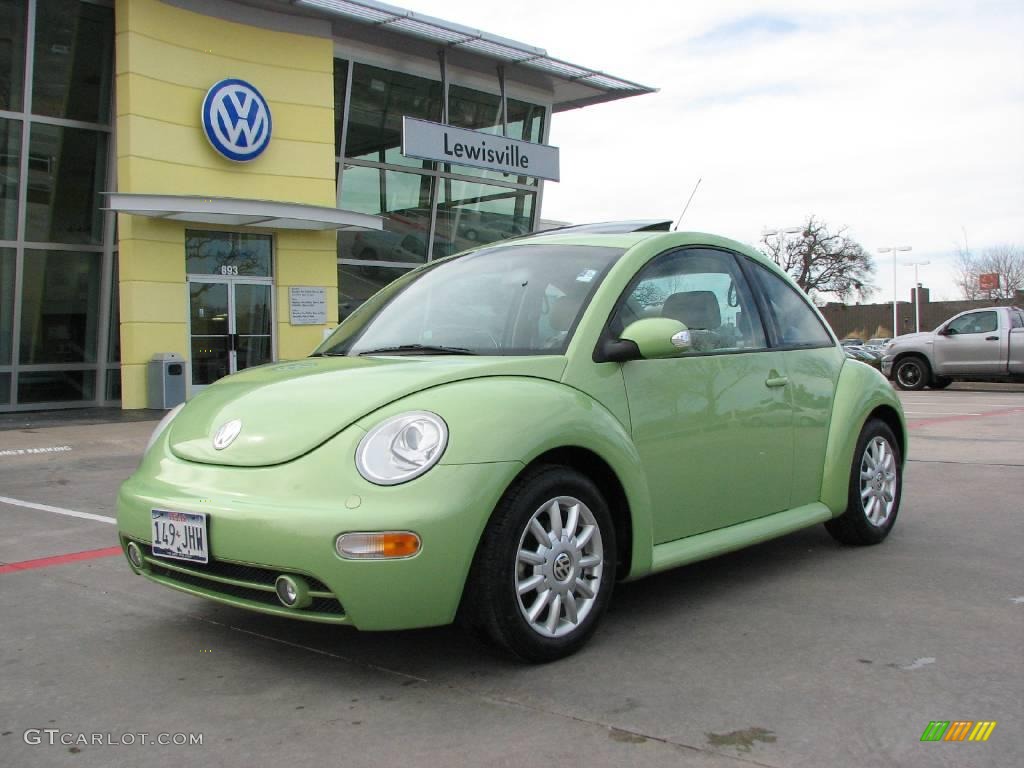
(545, 568)
(876, 482)
(911, 373)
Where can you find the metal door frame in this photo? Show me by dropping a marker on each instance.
(230, 281)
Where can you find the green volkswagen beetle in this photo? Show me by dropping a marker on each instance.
(502, 435)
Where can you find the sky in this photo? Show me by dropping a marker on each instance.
(901, 120)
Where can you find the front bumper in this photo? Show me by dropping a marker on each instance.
(284, 519)
(887, 366)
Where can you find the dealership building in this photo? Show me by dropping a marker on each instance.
(222, 181)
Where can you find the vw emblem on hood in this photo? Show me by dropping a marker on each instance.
(226, 434)
(236, 120)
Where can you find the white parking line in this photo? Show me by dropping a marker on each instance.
(941, 413)
(57, 510)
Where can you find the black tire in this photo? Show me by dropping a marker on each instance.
(940, 382)
(912, 373)
(856, 526)
(492, 605)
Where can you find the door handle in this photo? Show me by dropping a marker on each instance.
(776, 381)
(991, 338)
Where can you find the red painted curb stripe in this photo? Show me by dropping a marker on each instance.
(45, 562)
(945, 419)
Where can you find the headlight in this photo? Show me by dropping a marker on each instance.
(401, 448)
(168, 417)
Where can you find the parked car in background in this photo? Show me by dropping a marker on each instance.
(977, 345)
(878, 344)
(865, 355)
(852, 341)
(501, 436)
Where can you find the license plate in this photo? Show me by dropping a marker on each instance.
(181, 535)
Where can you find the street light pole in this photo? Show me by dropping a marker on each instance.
(917, 293)
(893, 250)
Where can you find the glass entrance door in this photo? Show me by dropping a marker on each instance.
(231, 327)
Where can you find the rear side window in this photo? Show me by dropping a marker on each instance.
(796, 323)
(1017, 319)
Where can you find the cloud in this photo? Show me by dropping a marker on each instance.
(745, 30)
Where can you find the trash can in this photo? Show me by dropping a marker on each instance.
(165, 383)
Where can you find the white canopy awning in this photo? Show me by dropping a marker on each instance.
(234, 212)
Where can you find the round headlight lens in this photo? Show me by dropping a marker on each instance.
(167, 419)
(402, 447)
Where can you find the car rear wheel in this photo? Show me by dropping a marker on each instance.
(911, 373)
(545, 567)
(876, 483)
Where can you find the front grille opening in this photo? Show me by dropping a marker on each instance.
(240, 572)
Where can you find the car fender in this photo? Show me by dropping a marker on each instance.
(860, 391)
(508, 419)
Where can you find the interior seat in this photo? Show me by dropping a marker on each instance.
(697, 310)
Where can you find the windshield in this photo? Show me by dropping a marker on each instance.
(506, 300)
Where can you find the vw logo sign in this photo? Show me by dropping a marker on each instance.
(236, 120)
(226, 434)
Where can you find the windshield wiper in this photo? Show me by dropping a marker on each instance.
(427, 349)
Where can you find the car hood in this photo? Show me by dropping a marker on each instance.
(910, 339)
(288, 409)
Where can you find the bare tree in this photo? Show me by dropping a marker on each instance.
(1006, 261)
(824, 263)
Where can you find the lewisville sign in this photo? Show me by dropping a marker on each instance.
(425, 140)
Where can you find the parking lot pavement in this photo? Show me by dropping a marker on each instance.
(797, 652)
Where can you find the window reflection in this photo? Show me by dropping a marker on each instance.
(59, 308)
(12, 56)
(470, 214)
(73, 53)
(6, 305)
(56, 386)
(379, 100)
(358, 283)
(231, 254)
(403, 199)
(10, 171)
(66, 169)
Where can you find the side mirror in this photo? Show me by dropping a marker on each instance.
(658, 337)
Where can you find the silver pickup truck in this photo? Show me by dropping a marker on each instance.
(980, 345)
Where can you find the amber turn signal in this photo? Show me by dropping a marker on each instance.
(385, 545)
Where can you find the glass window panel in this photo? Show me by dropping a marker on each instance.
(975, 322)
(358, 283)
(340, 79)
(56, 386)
(12, 54)
(252, 309)
(795, 321)
(113, 384)
(5, 389)
(114, 331)
(470, 214)
(209, 359)
(228, 253)
(74, 50)
(10, 172)
(252, 350)
(703, 289)
(403, 199)
(208, 309)
(66, 173)
(480, 111)
(59, 307)
(6, 305)
(379, 100)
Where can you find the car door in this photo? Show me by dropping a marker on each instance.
(972, 343)
(713, 426)
(813, 363)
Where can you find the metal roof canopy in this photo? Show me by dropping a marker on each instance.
(234, 212)
(604, 87)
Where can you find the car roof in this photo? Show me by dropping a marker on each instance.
(628, 240)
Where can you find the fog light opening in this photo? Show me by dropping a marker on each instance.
(384, 545)
(292, 591)
(135, 556)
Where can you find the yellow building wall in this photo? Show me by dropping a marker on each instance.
(167, 59)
